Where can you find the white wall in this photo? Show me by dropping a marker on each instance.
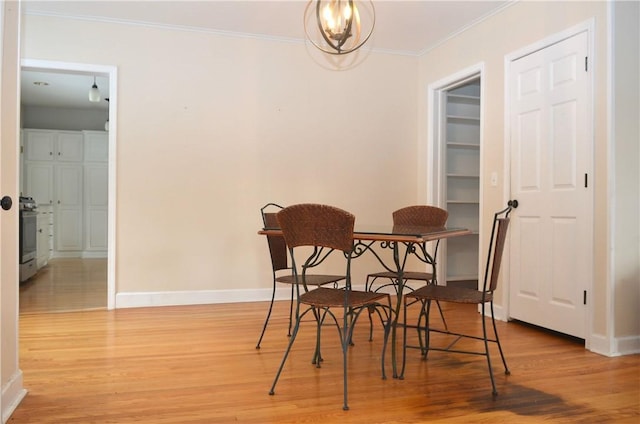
(210, 128)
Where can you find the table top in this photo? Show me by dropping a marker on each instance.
(398, 233)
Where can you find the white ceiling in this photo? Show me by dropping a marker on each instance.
(405, 27)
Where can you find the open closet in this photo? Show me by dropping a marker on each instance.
(460, 168)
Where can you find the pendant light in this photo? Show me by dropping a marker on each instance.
(339, 26)
(94, 93)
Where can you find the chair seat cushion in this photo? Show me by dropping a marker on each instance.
(410, 275)
(327, 297)
(450, 294)
(311, 279)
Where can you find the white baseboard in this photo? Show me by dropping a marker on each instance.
(619, 346)
(627, 345)
(12, 394)
(201, 297)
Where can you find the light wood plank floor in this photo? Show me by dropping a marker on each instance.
(66, 284)
(198, 364)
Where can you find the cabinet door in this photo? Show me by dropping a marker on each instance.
(96, 146)
(70, 146)
(39, 145)
(43, 236)
(39, 182)
(96, 202)
(68, 213)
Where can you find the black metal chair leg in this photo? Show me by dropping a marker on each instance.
(494, 392)
(444, 321)
(291, 310)
(286, 354)
(346, 340)
(495, 332)
(266, 321)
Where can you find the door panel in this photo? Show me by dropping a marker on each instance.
(550, 249)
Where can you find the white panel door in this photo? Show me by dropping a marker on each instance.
(551, 149)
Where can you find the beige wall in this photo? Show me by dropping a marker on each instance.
(210, 128)
(488, 43)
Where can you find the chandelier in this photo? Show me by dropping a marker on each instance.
(339, 26)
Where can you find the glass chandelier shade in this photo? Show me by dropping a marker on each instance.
(339, 26)
(94, 93)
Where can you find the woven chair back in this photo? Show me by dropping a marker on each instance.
(310, 224)
(277, 245)
(420, 215)
(500, 239)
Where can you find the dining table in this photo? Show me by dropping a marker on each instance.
(403, 242)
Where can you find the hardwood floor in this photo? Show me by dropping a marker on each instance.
(198, 364)
(66, 284)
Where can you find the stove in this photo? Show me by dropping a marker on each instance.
(28, 238)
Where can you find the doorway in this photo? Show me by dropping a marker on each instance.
(78, 275)
(456, 146)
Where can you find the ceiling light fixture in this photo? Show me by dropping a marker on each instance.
(94, 93)
(339, 26)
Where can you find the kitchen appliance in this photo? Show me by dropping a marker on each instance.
(28, 238)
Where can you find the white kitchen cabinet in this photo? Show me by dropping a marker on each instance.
(54, 172)
(39, 182)
(96, 183)
(44, 241)
(68, 207)
(96, 206)
(462, 180)
(50, 145)
(96, 146)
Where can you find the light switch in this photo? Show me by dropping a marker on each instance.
(494, 178)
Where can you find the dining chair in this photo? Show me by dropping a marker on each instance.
(316, 232)
(417, 216)
(281, 271)
(426, 294)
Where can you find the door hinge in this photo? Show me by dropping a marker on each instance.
(586, 63)
(584, 297)
(586, 181)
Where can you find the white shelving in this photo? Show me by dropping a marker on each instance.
(462, 176)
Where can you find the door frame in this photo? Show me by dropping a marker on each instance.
(436, 92)
(112, 73)
(588, 27)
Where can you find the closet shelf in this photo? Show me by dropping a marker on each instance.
(462, 176)
(461, 145)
